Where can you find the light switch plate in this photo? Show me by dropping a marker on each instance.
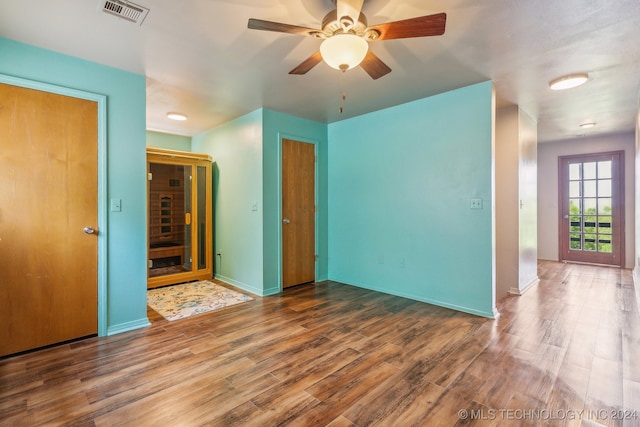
(116, 205)
(476, 203)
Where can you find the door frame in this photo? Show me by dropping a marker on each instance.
(619, 189)
(315, 143)
(101, 101)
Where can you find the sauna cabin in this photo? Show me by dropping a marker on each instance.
(179, 210)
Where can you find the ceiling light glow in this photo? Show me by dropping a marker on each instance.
(569, 81)
(344, 51)
(177, 116)
(587, 125)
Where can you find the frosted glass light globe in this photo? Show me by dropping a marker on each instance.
(344, 51)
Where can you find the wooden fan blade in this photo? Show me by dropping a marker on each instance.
(374, 66)
(259, 24)
(423, 26)
(350, 8)
(307, 64)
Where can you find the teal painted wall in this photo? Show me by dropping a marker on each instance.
(400, 184)
(247, 169)
(236, 148)
(277, 126)
(168, 141)
(126, 159)
(391, 185)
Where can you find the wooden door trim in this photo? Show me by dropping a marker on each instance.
(101, 101)
(315, 143)
(562, 245)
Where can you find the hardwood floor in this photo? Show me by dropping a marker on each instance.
(565, 353)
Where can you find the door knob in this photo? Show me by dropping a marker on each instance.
(286, 221)
(89, 230)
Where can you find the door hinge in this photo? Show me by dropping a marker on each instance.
(150, 176)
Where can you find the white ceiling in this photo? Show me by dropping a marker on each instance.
(200, 59)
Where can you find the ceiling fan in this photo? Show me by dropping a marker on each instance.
(346, 34)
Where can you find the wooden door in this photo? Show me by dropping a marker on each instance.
(48, 194)
(298, 213)
(592, 208)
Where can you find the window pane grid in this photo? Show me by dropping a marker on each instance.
(590, 206)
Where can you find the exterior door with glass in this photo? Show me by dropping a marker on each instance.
(592, 208)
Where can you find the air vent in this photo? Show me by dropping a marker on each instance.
(125, 10)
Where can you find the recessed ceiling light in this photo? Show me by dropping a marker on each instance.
(568, 82)
(587, 125)
(177, 116)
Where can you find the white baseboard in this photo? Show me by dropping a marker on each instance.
(636, 284)
(525, 288)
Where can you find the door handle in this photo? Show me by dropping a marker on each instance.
(89, 230)
(286, 221)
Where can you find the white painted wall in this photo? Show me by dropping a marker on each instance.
(548, 154)
(507, 224)
(528, 199)
(516, 201)
(636, 262)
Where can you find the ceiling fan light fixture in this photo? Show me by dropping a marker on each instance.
(177, 116)
(569, 81)
(344, 51)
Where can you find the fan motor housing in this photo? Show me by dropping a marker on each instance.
(331, 25)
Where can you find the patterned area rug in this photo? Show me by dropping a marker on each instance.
(180, 301)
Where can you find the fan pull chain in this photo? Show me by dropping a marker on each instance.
(343, 95)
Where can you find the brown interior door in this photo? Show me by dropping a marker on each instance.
(592, 208)
(298, 213)
(48, 195)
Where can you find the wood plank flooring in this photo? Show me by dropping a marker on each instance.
(567, 353)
